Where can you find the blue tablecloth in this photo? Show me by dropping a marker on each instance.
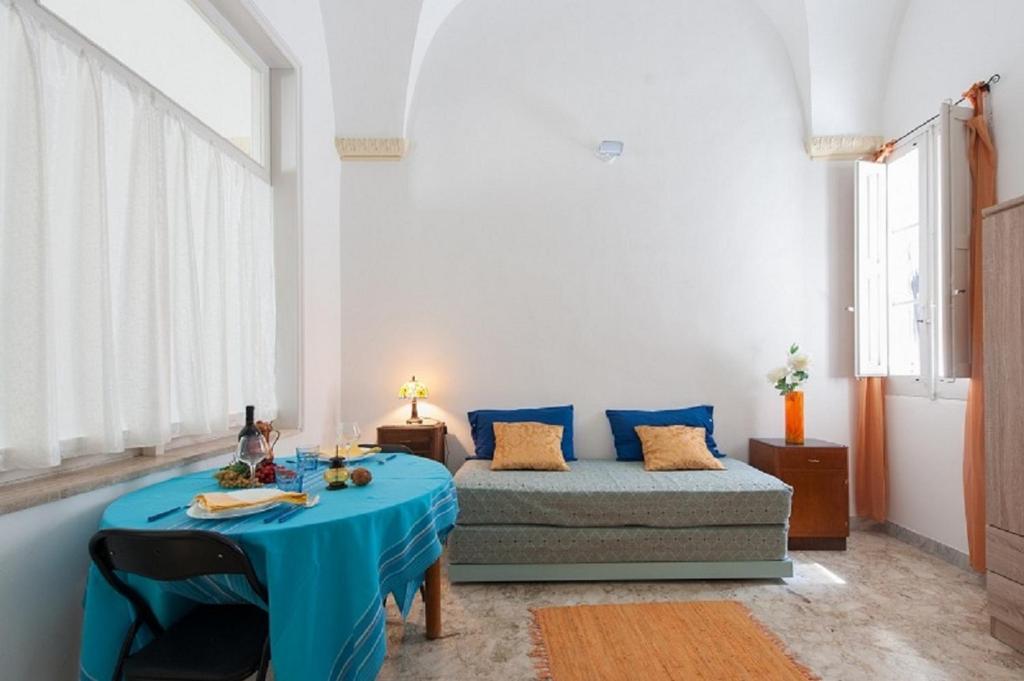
(327, 569)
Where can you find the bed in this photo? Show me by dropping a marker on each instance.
(613, 520)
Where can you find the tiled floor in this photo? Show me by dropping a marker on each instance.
(882, 610)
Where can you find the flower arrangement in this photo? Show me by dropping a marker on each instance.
(788, 378)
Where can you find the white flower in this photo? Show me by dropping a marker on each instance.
(776, 375)
(799, 362)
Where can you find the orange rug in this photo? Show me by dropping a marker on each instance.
(699, 641)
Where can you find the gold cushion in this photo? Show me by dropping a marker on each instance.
(676, 448)
(527, 446)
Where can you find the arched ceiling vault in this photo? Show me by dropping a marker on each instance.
(839, 51)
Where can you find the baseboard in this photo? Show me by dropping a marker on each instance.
(926, 544)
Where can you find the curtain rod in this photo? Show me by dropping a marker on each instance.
(993, 79)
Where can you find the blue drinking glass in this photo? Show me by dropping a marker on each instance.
(307, 458)
(289, 477)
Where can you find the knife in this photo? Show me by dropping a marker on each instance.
(289, 513)
(164, 514)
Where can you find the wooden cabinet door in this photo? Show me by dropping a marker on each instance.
(1003, 273)
(821, 503)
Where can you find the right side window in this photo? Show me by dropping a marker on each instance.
(912, 239)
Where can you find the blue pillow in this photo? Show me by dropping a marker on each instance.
(481, 423)
(627, 443)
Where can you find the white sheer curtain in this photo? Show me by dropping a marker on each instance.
(136, 261)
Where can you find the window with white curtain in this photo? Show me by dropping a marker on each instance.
(137, 294)
(181, 53)
(912, 241)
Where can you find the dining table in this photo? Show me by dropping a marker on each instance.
(328, 568)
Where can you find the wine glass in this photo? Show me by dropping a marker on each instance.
(252, 448)
(348, 435)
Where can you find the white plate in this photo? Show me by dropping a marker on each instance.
(363, 453)
(251, 495)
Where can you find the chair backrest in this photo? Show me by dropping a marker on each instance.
(391, 449)
(164, 555)
(169, 555)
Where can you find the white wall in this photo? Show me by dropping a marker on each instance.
(507, 266)
(943, 47)
(299, 25)
(43, 555)
(43, 562)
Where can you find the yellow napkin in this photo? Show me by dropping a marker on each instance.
(355, 452)
(222, 501)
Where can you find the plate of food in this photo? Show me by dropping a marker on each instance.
(354, 454)
(240, 502)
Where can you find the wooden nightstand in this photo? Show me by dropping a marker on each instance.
(818, 473)
(427, 439)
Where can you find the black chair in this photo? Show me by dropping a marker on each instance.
(210, 643)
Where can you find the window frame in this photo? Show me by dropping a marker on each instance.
(941, 199)
(924, 310)
(281, 111)
(259, 161)
(261, 79)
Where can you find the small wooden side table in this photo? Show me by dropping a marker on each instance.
(818, 472)
(426, 439)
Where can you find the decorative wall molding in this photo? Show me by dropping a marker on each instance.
(843, 147)
(371, 148)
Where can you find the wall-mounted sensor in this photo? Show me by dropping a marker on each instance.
(609, 150)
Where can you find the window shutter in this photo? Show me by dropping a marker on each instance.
(954, 241)
(870, 304)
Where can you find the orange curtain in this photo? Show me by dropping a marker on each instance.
(883, 152)
(871, 466)
(982, 157)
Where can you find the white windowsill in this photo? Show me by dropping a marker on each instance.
(909, 386)
(69, 480)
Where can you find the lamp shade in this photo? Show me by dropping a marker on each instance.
(413, 389)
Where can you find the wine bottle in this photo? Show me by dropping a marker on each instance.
(250, 423)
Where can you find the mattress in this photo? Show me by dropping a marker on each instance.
(533, 544)
(601, 493)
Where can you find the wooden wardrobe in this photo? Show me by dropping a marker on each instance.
(1003, 291)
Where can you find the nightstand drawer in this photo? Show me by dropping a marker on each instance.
(799, 459)
(413, 439)
(427, 439)
(1006, 554)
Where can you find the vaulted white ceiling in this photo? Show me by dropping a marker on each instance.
(839, 51)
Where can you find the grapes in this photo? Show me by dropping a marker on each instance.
(236, 475)
(266, 471)
(230, 478)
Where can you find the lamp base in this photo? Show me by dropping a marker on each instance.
(414, 418)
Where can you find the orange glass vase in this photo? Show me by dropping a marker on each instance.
(795, 417)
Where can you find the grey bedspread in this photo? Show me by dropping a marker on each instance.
(601, 493)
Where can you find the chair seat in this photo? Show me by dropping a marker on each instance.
(211, 643)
